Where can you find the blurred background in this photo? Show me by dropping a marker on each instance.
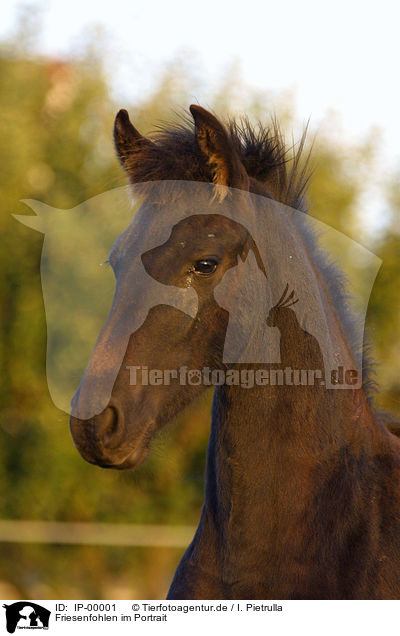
(65, 69)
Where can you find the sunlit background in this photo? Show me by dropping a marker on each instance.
(65, 69)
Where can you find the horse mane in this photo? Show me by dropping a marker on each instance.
(273, 168)
(268, 160)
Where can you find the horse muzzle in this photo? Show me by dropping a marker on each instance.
(103, 440)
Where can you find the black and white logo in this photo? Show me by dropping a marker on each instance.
(26, 615)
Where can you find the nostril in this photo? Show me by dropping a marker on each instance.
(112, 427)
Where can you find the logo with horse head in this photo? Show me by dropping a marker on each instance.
(26, 615)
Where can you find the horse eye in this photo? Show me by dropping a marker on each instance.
(205, 266)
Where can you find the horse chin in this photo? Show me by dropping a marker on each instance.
(134, 459)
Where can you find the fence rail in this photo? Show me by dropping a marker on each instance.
(84, 533)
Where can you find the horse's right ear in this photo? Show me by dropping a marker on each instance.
(216, 146)
(128, 140)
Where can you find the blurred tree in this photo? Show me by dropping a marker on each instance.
(384, 308)
(57, 146)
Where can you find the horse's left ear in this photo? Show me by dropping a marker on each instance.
(216, 145)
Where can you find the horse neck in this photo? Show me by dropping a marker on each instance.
(305, 420)
(273, 448)
(271, 454)
(268, 444)
(296, 421)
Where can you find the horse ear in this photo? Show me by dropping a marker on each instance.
(215, 143)
(128, 140)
